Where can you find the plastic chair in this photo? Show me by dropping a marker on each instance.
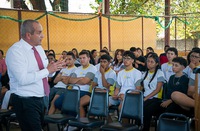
(97, 113)
(173, 122)
(69, 110)
(132, 108)
(6, 115)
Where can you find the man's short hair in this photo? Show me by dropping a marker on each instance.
(130, 54)
(105, 57)
(71, 54)
(84, 52)
(180, 60)
(104, 51)
(173, 49)
(196, 51)
(27, 27)
(133, 49)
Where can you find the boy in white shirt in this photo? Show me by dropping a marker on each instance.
(104, 78)
(128, 78)
(61, 80)
(167, 67)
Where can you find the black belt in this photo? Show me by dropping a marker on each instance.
(28, 97)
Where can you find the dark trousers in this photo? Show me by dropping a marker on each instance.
(151, 108)
(29, 112)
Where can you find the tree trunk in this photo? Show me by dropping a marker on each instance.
(38, 4)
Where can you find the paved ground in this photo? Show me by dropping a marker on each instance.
(15, 127)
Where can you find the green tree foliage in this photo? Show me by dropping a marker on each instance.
(178, 8)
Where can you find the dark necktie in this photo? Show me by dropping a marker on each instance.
(41, 66)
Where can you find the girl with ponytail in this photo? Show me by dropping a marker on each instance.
(152, 82)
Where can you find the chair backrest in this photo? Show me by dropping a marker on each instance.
(173, 122)
(164, 90)
(98, 103)
(132, 106)
(71, 102)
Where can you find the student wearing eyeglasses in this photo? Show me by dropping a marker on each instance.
(128, 78)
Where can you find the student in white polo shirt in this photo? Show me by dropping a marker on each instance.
(82, 77)
(104, 78)
(128, 78)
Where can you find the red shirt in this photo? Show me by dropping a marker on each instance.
(163, 59)
(3, 66)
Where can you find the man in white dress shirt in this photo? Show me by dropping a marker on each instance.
(26, 76)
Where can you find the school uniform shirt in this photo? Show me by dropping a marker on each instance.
(85, 72)
(118, 67)
(24, 73)
(65, 72)
(188, 71)
(192, 79)
(150, 87)
(110, 76)
(128, 80)
(167, 70)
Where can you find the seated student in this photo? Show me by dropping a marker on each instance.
(51, 77)
(118, 61)
(191, 64)
(64, 54)
(104, 78)
(62, 81)
(102, 52)
(94, 55)
(82, 77)
(167, 67)
(140, 61)
(148, 50)
(186, 101)
(177, 83)
(128, 78)
(77, 62)
(163, 56)
(152, 82)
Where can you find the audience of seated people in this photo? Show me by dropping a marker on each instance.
(82, 76)
(129, 70)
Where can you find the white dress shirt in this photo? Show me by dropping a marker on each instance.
(24, 73)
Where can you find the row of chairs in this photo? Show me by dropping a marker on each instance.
(98, 111)
(132, 109)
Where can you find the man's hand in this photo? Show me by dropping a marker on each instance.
(56, 66)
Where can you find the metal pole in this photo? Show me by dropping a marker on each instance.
(47, 21)
(167, 19)
(107, 12)
(175, 31)
(19, 23)
(100, 31)
(185, 34)
(142, 33)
